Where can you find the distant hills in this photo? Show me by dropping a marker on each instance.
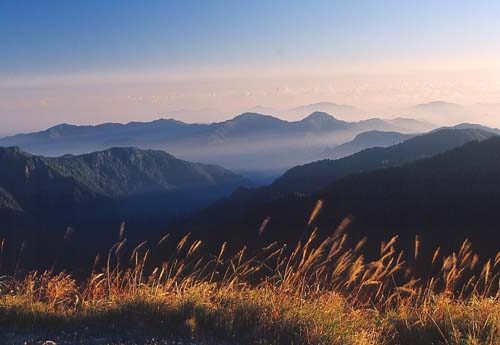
(437, 106)
(340, 110)
(248, 142)
(437, 112)
(367, 140)
(449, 113)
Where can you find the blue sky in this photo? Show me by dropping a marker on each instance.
(49, 43)
(45, 37)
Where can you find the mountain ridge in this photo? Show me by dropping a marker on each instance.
(411, 149)
(367, 140)
(247, 142)
(113, 173)
(440, 198)
(303, 181)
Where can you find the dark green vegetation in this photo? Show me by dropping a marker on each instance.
(94, 193)
(441, 197)
(38, 184)
(313, 176)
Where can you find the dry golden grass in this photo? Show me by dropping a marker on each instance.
(321, 292)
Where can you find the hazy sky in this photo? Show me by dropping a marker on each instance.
(96, 61)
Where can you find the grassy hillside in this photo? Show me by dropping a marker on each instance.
(320, 292)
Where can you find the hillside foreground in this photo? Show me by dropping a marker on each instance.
(320, 292)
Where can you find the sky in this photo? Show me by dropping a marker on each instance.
(87, 62)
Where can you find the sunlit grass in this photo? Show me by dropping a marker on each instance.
(320, 292)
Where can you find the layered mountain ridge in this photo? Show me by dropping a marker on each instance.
(289, 200)
(248, 142)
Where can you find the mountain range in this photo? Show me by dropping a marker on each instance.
(92, 179)
(36, 182)
(341, 110)
(313, 176)
(94, 193)
(444, 199)
(249, 142)
(290, 199)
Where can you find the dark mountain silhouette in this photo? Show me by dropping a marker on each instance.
(119, 172)
(367, 140)
(37, 182)
(249, 142)
(323, 122)
(71, 139)
(94, 193)
(445, 199)
(296, 192)
(313, 176)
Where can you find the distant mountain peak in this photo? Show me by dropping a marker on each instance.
(373, 120)
(160, 120)
(324, 103)
(254, 116)
(322, 121)
(471, 126)
(404, 119)
(435, 104)
(62, 126)
(328, 107)
(319, 116)
(333, 104)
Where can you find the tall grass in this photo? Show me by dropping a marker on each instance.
(319, 292)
